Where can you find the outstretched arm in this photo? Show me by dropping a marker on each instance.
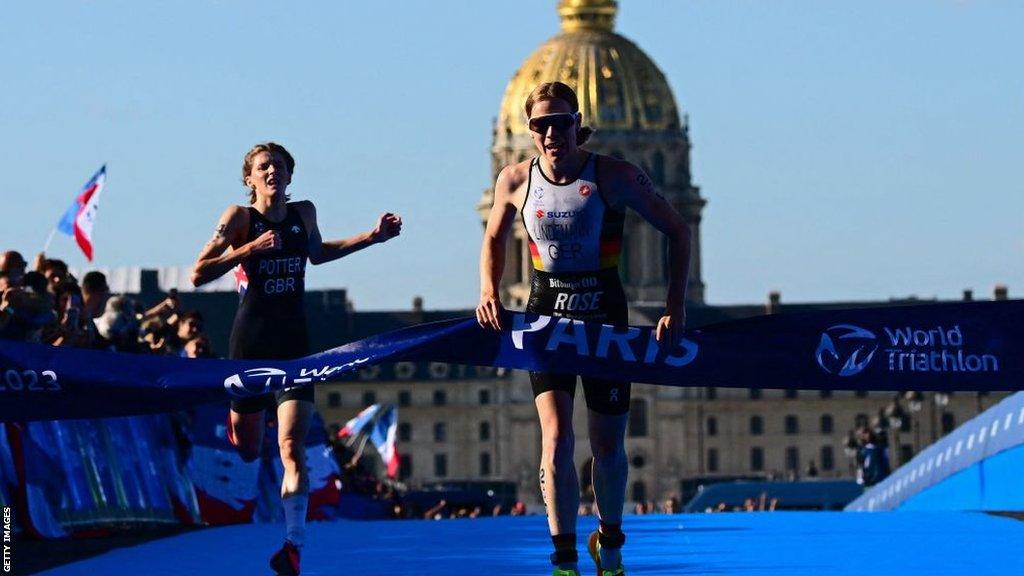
(388, 226)
(638, 193)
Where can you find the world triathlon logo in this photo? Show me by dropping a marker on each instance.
(846, 350)
(254, 381)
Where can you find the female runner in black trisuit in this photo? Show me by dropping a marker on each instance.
(572, 203)
(272, 240)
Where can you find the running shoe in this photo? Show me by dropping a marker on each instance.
(594, 547)
(285, 562)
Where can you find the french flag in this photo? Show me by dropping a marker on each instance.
(383, 438)
(80, 216)
(355, 426)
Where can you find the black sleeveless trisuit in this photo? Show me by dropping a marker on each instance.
(271, 320)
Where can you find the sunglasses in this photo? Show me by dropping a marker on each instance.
(560, 122)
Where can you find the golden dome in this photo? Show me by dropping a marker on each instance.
(619, 87)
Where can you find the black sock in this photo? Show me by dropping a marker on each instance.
(610, 535)
(565, 549)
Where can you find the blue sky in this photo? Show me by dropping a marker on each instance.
(847, 150)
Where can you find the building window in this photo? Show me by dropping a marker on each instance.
(826, 424)
(948, 422)
(792, 459)
(404, 398)
(828, 462)
(484, 396)
(485, 431)
(711, 393)
(405, 432)
(756, 425)
(440, 465)
(369, 399)
(791, 394)
(440, 398)
(825, 393)
(639, 492)
(485, 463)
(334, 399)
(404, 466)
(757, 459)
(755, 393)
(440, 432)
(712, 460)
(638, 418)
(712, 426)
(792, 425)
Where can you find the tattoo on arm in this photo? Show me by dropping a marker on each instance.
(218, 234)
(644, 181)
(647, 184)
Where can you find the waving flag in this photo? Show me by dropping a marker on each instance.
(383, 437)
(355, 426)
(79, 217)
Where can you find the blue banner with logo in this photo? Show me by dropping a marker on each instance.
(961, 346)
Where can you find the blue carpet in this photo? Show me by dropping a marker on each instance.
(780, 543)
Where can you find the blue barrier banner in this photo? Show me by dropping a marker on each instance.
(966, 460)
(83, 473)
(962, 346)
(8, 476)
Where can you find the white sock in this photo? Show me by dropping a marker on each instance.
(295, 518)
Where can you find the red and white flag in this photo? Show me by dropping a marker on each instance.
(383, 437)
(355, 426)
(78, 219)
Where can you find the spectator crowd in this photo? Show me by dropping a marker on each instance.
(48, 305)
